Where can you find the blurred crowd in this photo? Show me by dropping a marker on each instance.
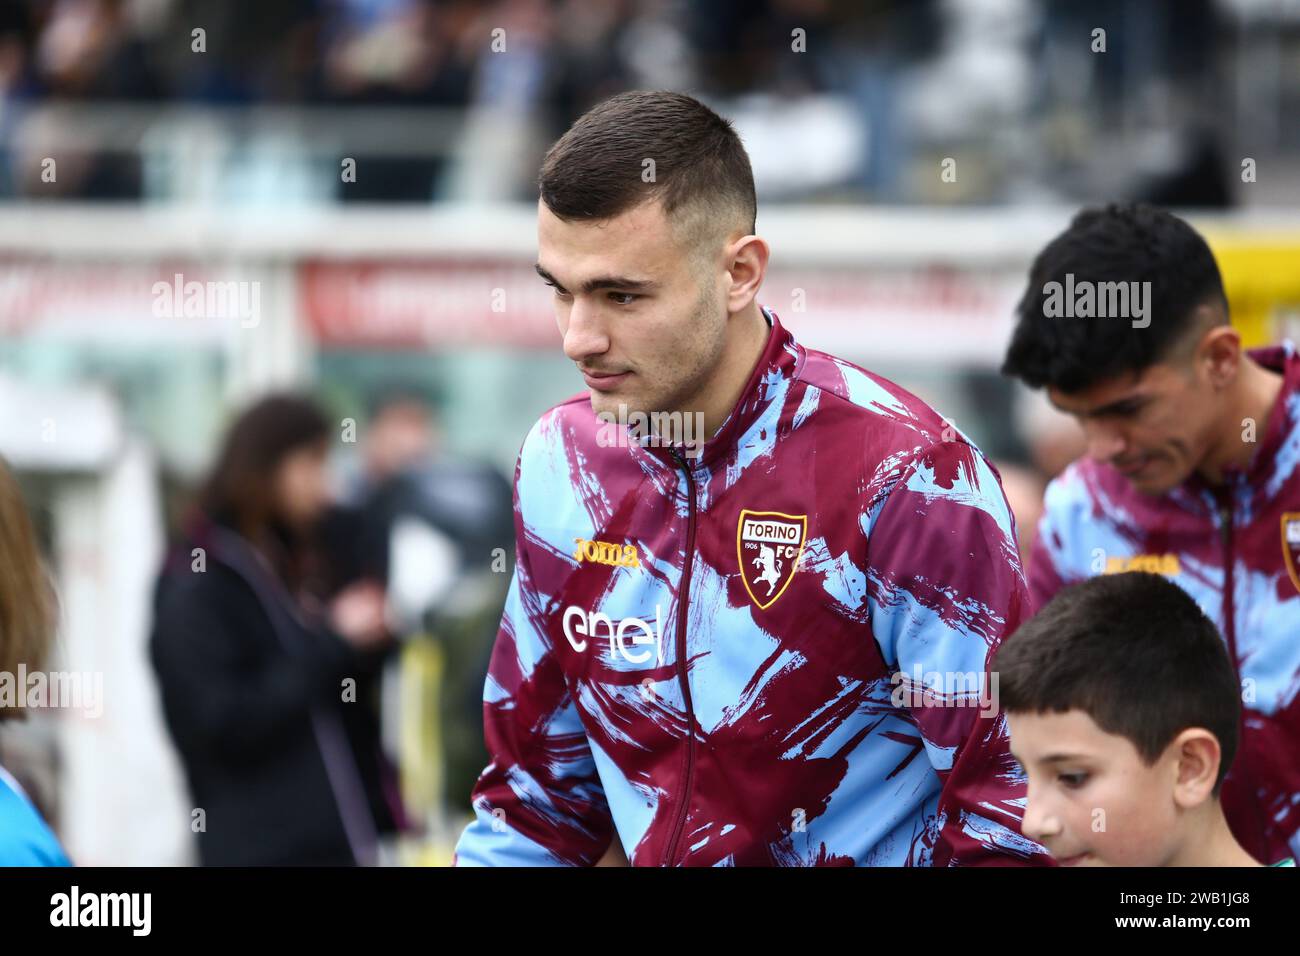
(432, 52)
(318, 651)
(875, 92)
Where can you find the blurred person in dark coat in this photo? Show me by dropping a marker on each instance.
(257, 673)
(407, 477)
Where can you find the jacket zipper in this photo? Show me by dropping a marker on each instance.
(1230, 632)
(682, 598)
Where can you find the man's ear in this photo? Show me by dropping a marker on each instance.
(746, 259)
(1218, 355)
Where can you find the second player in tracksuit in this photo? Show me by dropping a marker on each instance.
(1236, 550)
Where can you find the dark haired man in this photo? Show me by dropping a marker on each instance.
(1193, 471)
(756, 588)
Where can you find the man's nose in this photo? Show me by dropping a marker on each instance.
(585, 335)
(1104, 443)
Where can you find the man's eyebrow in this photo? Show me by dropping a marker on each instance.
(1123, 405)
(546, 275)
(622, 283)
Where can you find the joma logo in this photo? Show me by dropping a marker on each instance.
(1166, 564)
(606, 552)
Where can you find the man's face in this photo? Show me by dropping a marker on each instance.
(398, 437)
(1092, 801)
(1155, 427)
(629, 304)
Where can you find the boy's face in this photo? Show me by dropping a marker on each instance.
(1092, 800)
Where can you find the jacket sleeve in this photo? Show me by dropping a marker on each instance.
(945, 586)
(539, 802)
(1044, 579)
(1047, 560)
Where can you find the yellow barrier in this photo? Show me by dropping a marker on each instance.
(1261, 275)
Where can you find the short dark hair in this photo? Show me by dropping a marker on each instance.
(702, 173)
(1130, 242)
(1135, 653)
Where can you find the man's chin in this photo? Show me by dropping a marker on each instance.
(609, 406)
(1149, 489)
(1156, 487)
(1155, 480)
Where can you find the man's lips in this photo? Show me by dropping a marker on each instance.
(603, 381)
(1133, 467)
(1071, 860)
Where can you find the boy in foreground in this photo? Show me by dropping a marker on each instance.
(1123, 710)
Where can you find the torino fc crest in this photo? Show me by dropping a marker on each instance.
(1291, 545)
(768, 545)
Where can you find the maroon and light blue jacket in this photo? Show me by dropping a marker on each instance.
(773, 652)
(1236, 550)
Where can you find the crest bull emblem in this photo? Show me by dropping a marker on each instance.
(1291, 545)
(768, 547)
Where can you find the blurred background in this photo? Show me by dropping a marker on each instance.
(357, 176)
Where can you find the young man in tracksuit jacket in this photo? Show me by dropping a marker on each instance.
(758, 639)
(1193, 471)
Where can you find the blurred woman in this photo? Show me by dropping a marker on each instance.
(257, 673)
(26, 629)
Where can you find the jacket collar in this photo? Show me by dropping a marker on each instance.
(779, 361)
(1258, 474)
(1277, 358)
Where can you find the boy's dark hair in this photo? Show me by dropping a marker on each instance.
(701, 171)
(1135, 653)
(1119, 243)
